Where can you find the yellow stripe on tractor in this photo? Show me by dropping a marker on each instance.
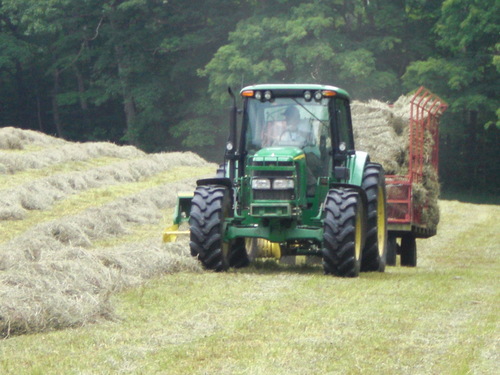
(170, 234)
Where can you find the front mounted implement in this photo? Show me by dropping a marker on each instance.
(181, 215)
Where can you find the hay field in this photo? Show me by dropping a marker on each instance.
(79, 222)
(438, 318)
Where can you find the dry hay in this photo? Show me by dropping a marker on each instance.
(17, 139)
(51, 277)
(382, 130)
(42, 193)
(11, 163)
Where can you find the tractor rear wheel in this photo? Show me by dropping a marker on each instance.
(408, 250)
(344, 232)
(375, 250)
(211, 204)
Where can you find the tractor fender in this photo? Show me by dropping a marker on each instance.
(357, 163)
(358, 189)
(223, 181)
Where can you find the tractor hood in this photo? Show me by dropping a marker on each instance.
(276, 154)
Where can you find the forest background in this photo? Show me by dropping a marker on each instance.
(154, 73)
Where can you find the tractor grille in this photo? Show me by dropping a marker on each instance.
(272, 174)
(285, 195)
(272, 163)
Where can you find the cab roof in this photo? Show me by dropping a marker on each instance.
(299, 87)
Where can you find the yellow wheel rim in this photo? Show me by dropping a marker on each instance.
(359, 232)
(381, 221)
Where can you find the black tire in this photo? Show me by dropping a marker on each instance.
(408, 250)
(344, 231)
(375, 250)
(238, 256)
(210, 205)
(392, 249)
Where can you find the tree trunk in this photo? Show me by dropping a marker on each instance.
(39, 113)
(81, 89)
(22, 117)
(128, 100)
(55, 105)
(83, 101)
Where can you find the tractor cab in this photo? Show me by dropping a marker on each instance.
(314, 118)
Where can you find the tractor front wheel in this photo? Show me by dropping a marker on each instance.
(344, 232)
(211, 204)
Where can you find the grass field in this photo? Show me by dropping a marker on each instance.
(87, 287)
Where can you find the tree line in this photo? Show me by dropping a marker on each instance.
(154, 73)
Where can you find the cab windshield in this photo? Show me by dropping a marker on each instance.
(287, 122)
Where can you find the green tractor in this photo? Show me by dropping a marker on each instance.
(292, 185)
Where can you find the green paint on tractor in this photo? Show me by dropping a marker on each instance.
(292, 182)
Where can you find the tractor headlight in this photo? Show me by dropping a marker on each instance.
(283, 184)
(261, 184)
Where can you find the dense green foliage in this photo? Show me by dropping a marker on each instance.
(154, 73)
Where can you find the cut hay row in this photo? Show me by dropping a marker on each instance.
(18, 139)
(41, 194)
(52, 277)
(77, 203)
(11, 163)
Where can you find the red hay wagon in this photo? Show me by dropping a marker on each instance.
(406, 221)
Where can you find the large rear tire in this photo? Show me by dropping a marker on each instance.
(375, 250)
(344, 231)
(211, 204)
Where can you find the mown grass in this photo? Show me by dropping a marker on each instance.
(11, 180)
(438, 318)
(94, 198)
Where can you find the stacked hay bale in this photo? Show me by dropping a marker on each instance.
(382, 130)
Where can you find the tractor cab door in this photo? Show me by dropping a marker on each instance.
(341, 124)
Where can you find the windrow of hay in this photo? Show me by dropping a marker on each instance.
(11, 163)
(51, 276)
(41, 194)
(17, 139)
(382, 130)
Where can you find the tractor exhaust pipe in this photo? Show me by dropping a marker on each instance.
(231, 142)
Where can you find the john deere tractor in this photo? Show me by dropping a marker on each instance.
(292, 185)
